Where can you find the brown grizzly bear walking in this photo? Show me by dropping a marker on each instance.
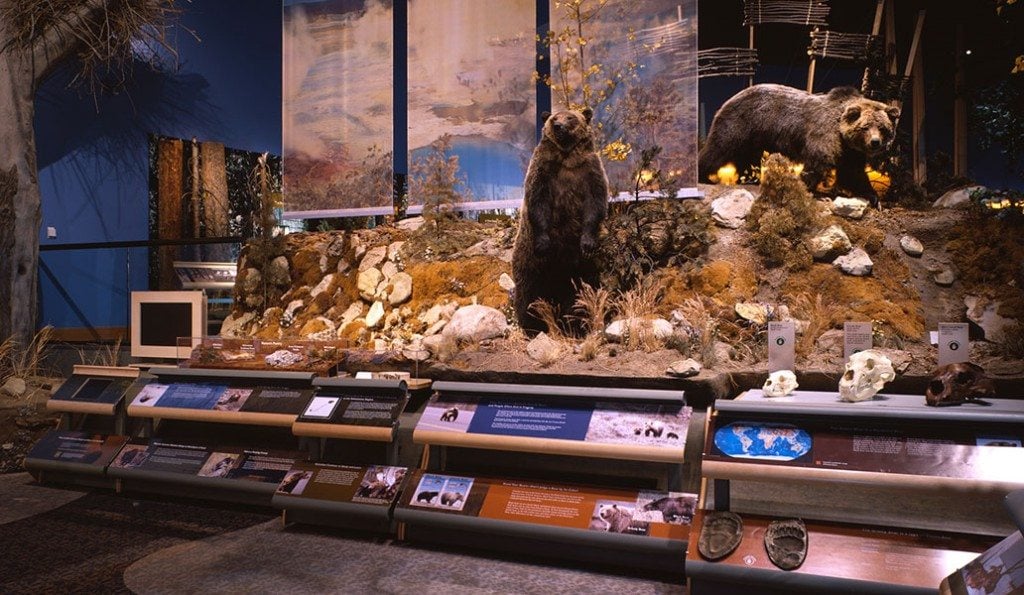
(840, 129)
(565, 201)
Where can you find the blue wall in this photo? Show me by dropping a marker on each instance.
(93, 159)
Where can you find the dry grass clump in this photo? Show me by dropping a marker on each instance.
(820, 317)
(638, 306)
(704, 329)
(549, 315)
(592, 305)
(108, 355)
(783, 217)
(27, 362)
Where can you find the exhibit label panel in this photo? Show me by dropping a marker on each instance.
(202, 461)
(74, 447)
(222, 397)
(86, 389)
(373, 485)
(634, 423)
(642, 513)
(981, 452)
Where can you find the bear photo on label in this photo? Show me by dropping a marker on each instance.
(840, 129)
(564, 203)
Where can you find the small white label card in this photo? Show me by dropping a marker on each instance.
(781, 346)
(954, 345)
(856, 337)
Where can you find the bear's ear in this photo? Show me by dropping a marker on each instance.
(851, 113)
(545, 115)
(587, 114)
(893, 112)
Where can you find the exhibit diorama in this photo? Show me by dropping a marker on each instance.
(518, 296)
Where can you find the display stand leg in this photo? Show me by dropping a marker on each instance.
(391, 452)
(721, 494)
(434, 458)
(675, 477)
(65, 422)
(120, 423)
(146, 431)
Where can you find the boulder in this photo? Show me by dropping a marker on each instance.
(830, 244)
(730, 209)
(850, 208)
(389, 269)
(278, 272)
(856, 263)
(684, 368)
(543, 349)
(944, 277)
(321, 286)
(911, 245)
(237, 326)
(401, 289)
(395, 251)
(755, 312)
(476, 323)
(354, 310)
(374, 256)
(506, 282)
(367, 283)
(14, 387)
(984, 312)
(658, 327)
(375, 315)
(252, 280)
(957, 199)
(438, 312)
(411, 224)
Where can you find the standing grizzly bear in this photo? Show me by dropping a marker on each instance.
(565, 201)
(840, 129)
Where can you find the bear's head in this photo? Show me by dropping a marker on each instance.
(868, 126)
(569, 128)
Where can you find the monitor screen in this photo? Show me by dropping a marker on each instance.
(160, 318)
(163, 322)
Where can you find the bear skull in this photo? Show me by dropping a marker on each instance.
(780, 384)
(866, 373)
(954, 384)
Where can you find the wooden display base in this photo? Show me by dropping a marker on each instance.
(283, 420)
(840, 559)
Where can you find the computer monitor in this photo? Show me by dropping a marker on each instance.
(160, 318)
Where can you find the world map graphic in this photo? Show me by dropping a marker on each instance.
(762, 441)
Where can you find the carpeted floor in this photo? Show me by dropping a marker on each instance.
(68, 541)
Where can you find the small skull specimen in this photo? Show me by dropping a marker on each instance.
(866, 373)
(780, 384)
(955, 384)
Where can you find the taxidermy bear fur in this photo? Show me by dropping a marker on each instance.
(840, 129)
(565, 201)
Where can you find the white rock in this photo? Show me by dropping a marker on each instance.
(830, 244)
(282, 358)
(323, 263)
(543, 349)
(435, 328)
(856, 263)
(367, 283)
(780, 383)
(237, 326)
(389, 269)
(293, 307)
(374, 256)
(393, 319)
(851, 208)
(375, 315)
(985, 313)
(401, 289)
(658, 327)
(753, 311)
(730, 209)
(14, 386)
(321, 286)
(684, 368)
(395, 251)
(506, 282)
(911, 245)
(416, 351)
(437, 343)
(959, 198)
(476, 323)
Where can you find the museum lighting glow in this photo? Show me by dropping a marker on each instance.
(727, 175)
(880, 181)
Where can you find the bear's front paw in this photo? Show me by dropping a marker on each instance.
(542, 243)
(588, 244)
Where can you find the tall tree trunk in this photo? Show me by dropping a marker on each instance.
(19, 200)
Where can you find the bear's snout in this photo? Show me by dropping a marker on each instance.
(875, 143)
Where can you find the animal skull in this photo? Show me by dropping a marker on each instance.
(954, 384)
(866, 374)
(780, 384)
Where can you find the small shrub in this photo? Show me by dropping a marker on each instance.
(783, 216)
